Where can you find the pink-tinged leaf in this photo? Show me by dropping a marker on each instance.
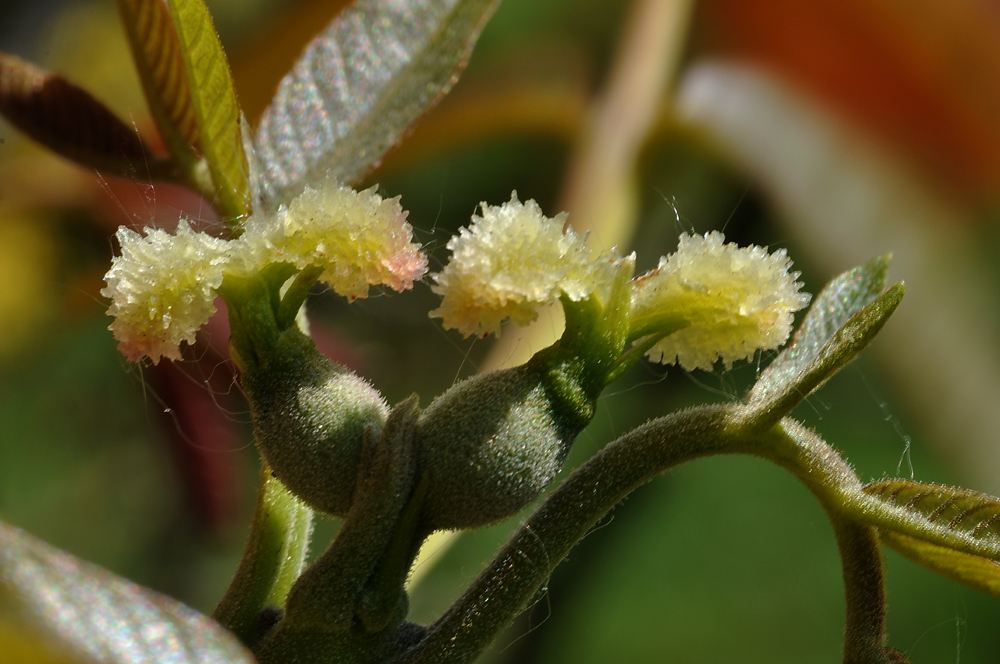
(67, 119)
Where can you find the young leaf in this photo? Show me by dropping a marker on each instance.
(93, 615)
(845, 317)
(215, 107)
(68, 120)
(359, 86)
(961, 515)
(974, 571)
(157, 56)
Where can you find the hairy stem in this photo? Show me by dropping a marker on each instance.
(273, 559)
(523, 565)
(510, 581)
(832, 481)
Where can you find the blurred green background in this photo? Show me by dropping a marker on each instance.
(838, 130)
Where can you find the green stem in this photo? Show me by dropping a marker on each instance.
(818, 466)
(864, 589)
(510, 581)
(292, 299)
(506, 586)
(272, 560)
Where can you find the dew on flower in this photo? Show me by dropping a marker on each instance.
(163, 286)
(511, 260)
(733, 300)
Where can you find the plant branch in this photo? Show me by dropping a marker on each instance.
(504, 588)
(510, 581)
(818, 466)
(273, 559)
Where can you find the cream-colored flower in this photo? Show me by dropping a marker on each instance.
(358, 238)
(733, 301)
(162, 289)
(163, 286)
(507, 263)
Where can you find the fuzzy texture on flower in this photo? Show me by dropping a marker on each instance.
(508, 262)
(734, 301)
(358, 238)
(162, 289)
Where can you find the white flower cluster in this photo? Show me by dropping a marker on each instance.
(507, 263)
(733, 300)
(163, 287)
(727, 301)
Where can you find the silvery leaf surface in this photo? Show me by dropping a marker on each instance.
(360, 85)
(86, 614)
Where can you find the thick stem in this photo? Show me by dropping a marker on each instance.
(524, 564)
(832, 481)
(506, 586)
(864, 588)
(274, 556)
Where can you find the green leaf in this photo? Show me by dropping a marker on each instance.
(157, 56)
(845, 317)
(948, 516)
(215, 107)
(360, 85)
(69, 121)
(86, 613)
(974, 571)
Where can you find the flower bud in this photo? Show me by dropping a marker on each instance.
(492, 443)
(309, 414)
(309, 417)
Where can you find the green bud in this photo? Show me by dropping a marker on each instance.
(309, 417)
(491, 444)
(309, 414)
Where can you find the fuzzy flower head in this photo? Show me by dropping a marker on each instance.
(733, 301)
(358, 238)
(508, 262)
(163, 287)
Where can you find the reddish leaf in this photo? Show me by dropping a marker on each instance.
(67, 119)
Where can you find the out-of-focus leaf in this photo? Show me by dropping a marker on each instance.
(215, 107)
(93, 615)
(839, 300)
(21, 645)
(157, 57)
(962, 516)
(67, 119)
(360, 85)
(974, 571)
(901, 70)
